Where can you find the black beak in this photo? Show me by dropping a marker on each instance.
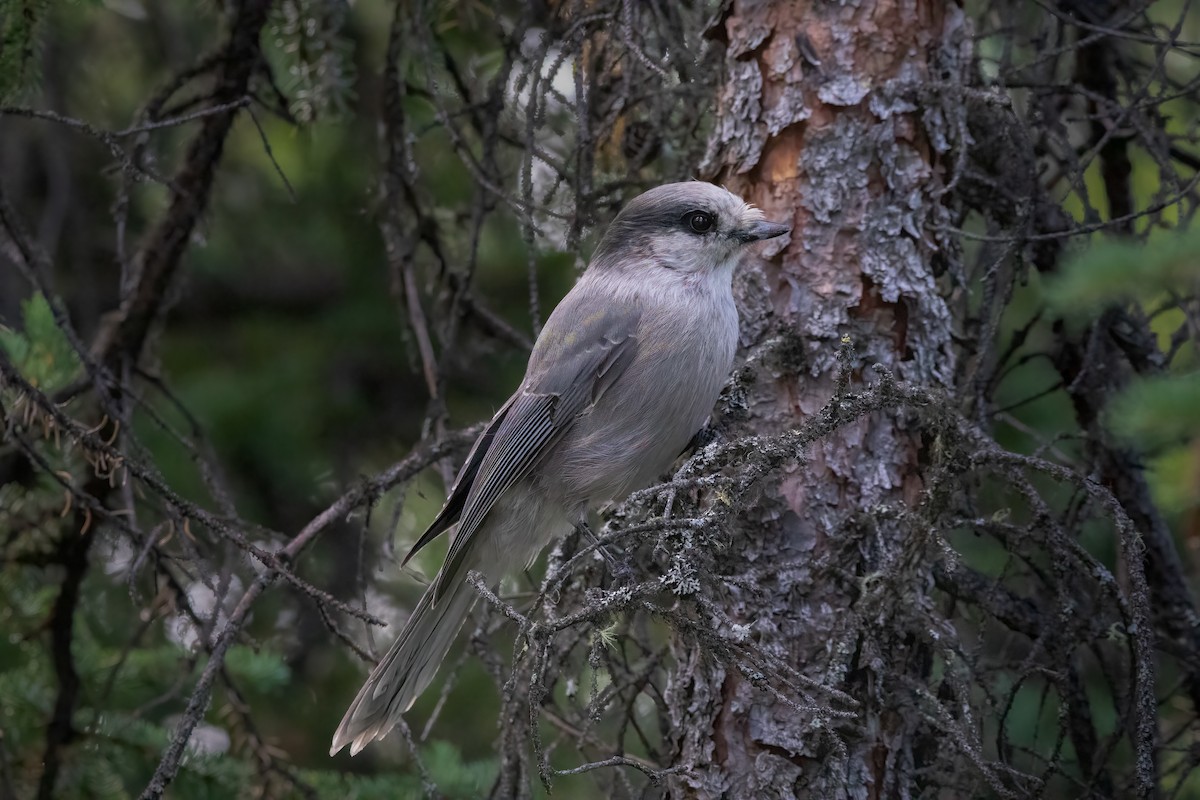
(761, 230)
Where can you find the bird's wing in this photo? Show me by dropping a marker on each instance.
(575, 361)
(452, 509)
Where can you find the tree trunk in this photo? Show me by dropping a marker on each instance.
(820, 124)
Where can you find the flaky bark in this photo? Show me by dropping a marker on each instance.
(819, 124)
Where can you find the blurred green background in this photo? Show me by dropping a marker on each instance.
(291, 351)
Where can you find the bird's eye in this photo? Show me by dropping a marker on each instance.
(700, 221)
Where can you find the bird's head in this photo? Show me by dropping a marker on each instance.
(689, 227)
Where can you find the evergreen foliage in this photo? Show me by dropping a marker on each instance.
(21, 25)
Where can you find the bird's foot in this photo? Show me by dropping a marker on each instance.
(620, 567)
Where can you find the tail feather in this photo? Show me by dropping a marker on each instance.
(410, 664)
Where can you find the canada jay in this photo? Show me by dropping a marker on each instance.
(625, 372)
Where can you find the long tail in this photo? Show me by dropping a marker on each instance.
(400, 677)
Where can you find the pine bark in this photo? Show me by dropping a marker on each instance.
(820, 123)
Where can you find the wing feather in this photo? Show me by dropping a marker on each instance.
(452, 508)
(515, 450)
(535, 420)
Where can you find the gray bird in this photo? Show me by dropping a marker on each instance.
(625, 372)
